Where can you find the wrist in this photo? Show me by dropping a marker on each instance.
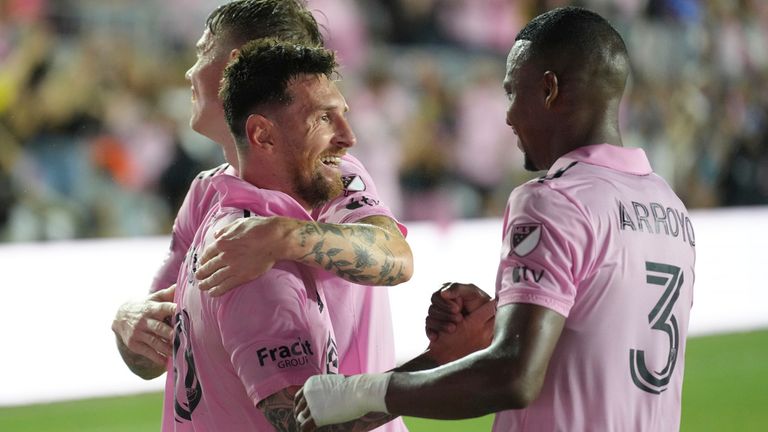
(439, 354)
(336, 399)
(287, 232)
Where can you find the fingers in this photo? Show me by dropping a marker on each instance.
(483, 314)
(224, 286)
(211, 274)
(160, 345)
(161, 329)
(164, 295)
(229, 229)
(468, 296)
(161, 310)
(151, 354)
(434, 325)
(442, 315)
(210, 261)
(440, 300)
(302, 413)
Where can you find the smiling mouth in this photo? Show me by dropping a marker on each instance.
(333, 161)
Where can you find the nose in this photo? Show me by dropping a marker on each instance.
(188, 73)
(344, 136)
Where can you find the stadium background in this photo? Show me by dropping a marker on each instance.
(94, 141)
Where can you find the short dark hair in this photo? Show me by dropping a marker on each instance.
(571, 30)
(260, 76)
(240, 21)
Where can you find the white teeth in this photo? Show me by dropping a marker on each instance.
(331, 160)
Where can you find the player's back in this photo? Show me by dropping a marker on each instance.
(618, 364)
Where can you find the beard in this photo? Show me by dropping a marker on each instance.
(317, 189)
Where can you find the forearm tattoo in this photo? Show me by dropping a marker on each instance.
(358, 252)
(278, 409)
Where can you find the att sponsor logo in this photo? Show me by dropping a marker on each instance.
(286, 356)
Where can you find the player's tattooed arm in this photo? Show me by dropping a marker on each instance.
(371, 251)
(278, 409)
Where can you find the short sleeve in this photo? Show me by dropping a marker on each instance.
(267, 334)
(546, 249)
(184, 227)
(359, 200)
(190, 216)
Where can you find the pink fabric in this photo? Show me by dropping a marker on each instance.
(199, 200)
(233, 351)
(361, 315)
(606, 243)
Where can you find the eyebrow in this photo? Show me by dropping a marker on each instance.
(331, 107)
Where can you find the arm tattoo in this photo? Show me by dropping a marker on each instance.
(369, 259)
(278, 409)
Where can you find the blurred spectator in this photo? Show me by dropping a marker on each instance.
(94, 135)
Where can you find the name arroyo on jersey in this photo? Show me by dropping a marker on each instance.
(654, 218)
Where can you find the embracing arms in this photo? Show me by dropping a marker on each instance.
(508, 374)
(371, 251)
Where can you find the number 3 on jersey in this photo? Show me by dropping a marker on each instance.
(662, 319)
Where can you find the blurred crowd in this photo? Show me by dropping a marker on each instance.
(95, 142)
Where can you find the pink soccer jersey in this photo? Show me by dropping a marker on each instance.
(233, 351)
(360, 314)
(199, 199)
(606, 243)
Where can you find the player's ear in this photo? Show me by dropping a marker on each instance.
(551, 88)
(260, 131)
(234, 53)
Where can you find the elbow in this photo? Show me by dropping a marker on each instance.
(407, 266)
(521, 391)
(521, 396)
(398, 268)
(519, 387)
(508, 387)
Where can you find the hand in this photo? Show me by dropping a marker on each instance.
(450, 304)
(473, 333)
(144, 327)
(303, 415)
(243, 250)
(336, 399)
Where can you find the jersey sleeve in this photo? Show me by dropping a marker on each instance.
(267, 334)
(359, 200)
(546, 250)
(184, 228)
(190, 216)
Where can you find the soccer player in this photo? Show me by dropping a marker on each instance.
(258, 344)
(362, 244)
(595, 282)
